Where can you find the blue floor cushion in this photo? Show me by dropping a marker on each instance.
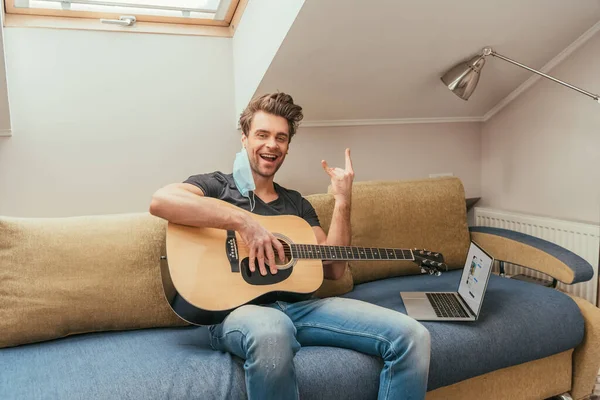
(519, 322)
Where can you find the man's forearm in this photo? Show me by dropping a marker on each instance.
(185, 208)
(340, 234)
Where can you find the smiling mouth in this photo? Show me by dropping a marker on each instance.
(269, 157)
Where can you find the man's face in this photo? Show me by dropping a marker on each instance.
(267, 143)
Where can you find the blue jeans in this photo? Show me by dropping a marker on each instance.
(268, 337)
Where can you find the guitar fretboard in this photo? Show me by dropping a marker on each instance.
(349, 253)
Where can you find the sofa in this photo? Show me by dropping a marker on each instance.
(83, 314)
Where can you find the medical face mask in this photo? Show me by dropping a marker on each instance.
(242, 175)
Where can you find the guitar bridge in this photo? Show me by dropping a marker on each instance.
(232, 251)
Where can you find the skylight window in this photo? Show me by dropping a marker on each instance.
(128, 12)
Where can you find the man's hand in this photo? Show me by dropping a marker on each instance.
(340, 231)
(260, 244)
(341, 180)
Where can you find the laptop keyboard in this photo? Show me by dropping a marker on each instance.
(446, 305)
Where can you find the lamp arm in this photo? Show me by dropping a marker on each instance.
(488, 51)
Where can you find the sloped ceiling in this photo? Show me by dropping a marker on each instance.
(382, 59)
(264, 25)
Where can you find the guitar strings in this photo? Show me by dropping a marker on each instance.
(329, 253)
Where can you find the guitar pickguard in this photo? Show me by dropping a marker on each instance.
(255, 278)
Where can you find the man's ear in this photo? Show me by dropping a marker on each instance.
(244, 139)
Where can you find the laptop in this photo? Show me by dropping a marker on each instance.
(463, 305)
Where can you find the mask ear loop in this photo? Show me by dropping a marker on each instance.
(251, 205)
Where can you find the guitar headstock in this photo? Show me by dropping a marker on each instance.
(431, 262)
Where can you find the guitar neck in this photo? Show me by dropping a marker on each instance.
(349, 253)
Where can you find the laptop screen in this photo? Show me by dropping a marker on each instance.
(475, 277)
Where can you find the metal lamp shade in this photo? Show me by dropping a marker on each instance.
(462, 79)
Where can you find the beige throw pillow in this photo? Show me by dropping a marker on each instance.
(423, 213)
(64, 276)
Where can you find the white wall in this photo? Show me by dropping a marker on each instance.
(541, 154)
(263, 26)
(102, 119)
(99, 124)
(4, 110)
(385, 152)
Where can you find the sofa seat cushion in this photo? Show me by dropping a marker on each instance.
(519, 322)
(167, 363)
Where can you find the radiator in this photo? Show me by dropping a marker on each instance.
(582, 239)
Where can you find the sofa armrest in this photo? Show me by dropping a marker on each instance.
(532, 252)
(586, 357)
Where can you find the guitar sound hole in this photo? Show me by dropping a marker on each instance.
(288, 254)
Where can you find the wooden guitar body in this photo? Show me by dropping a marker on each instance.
(207, 275)
(206, 272)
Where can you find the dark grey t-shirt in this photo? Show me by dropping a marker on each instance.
(222, 186)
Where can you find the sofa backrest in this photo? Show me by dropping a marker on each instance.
(425, 213)
(63, 276)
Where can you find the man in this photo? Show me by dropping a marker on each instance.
(268, 336)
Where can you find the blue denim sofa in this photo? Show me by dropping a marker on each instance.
(531, 342)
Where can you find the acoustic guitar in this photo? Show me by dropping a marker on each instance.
(206, 272)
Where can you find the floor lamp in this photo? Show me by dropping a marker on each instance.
(462, 80)
(463, 77)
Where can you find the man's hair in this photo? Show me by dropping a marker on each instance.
(279, 104)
